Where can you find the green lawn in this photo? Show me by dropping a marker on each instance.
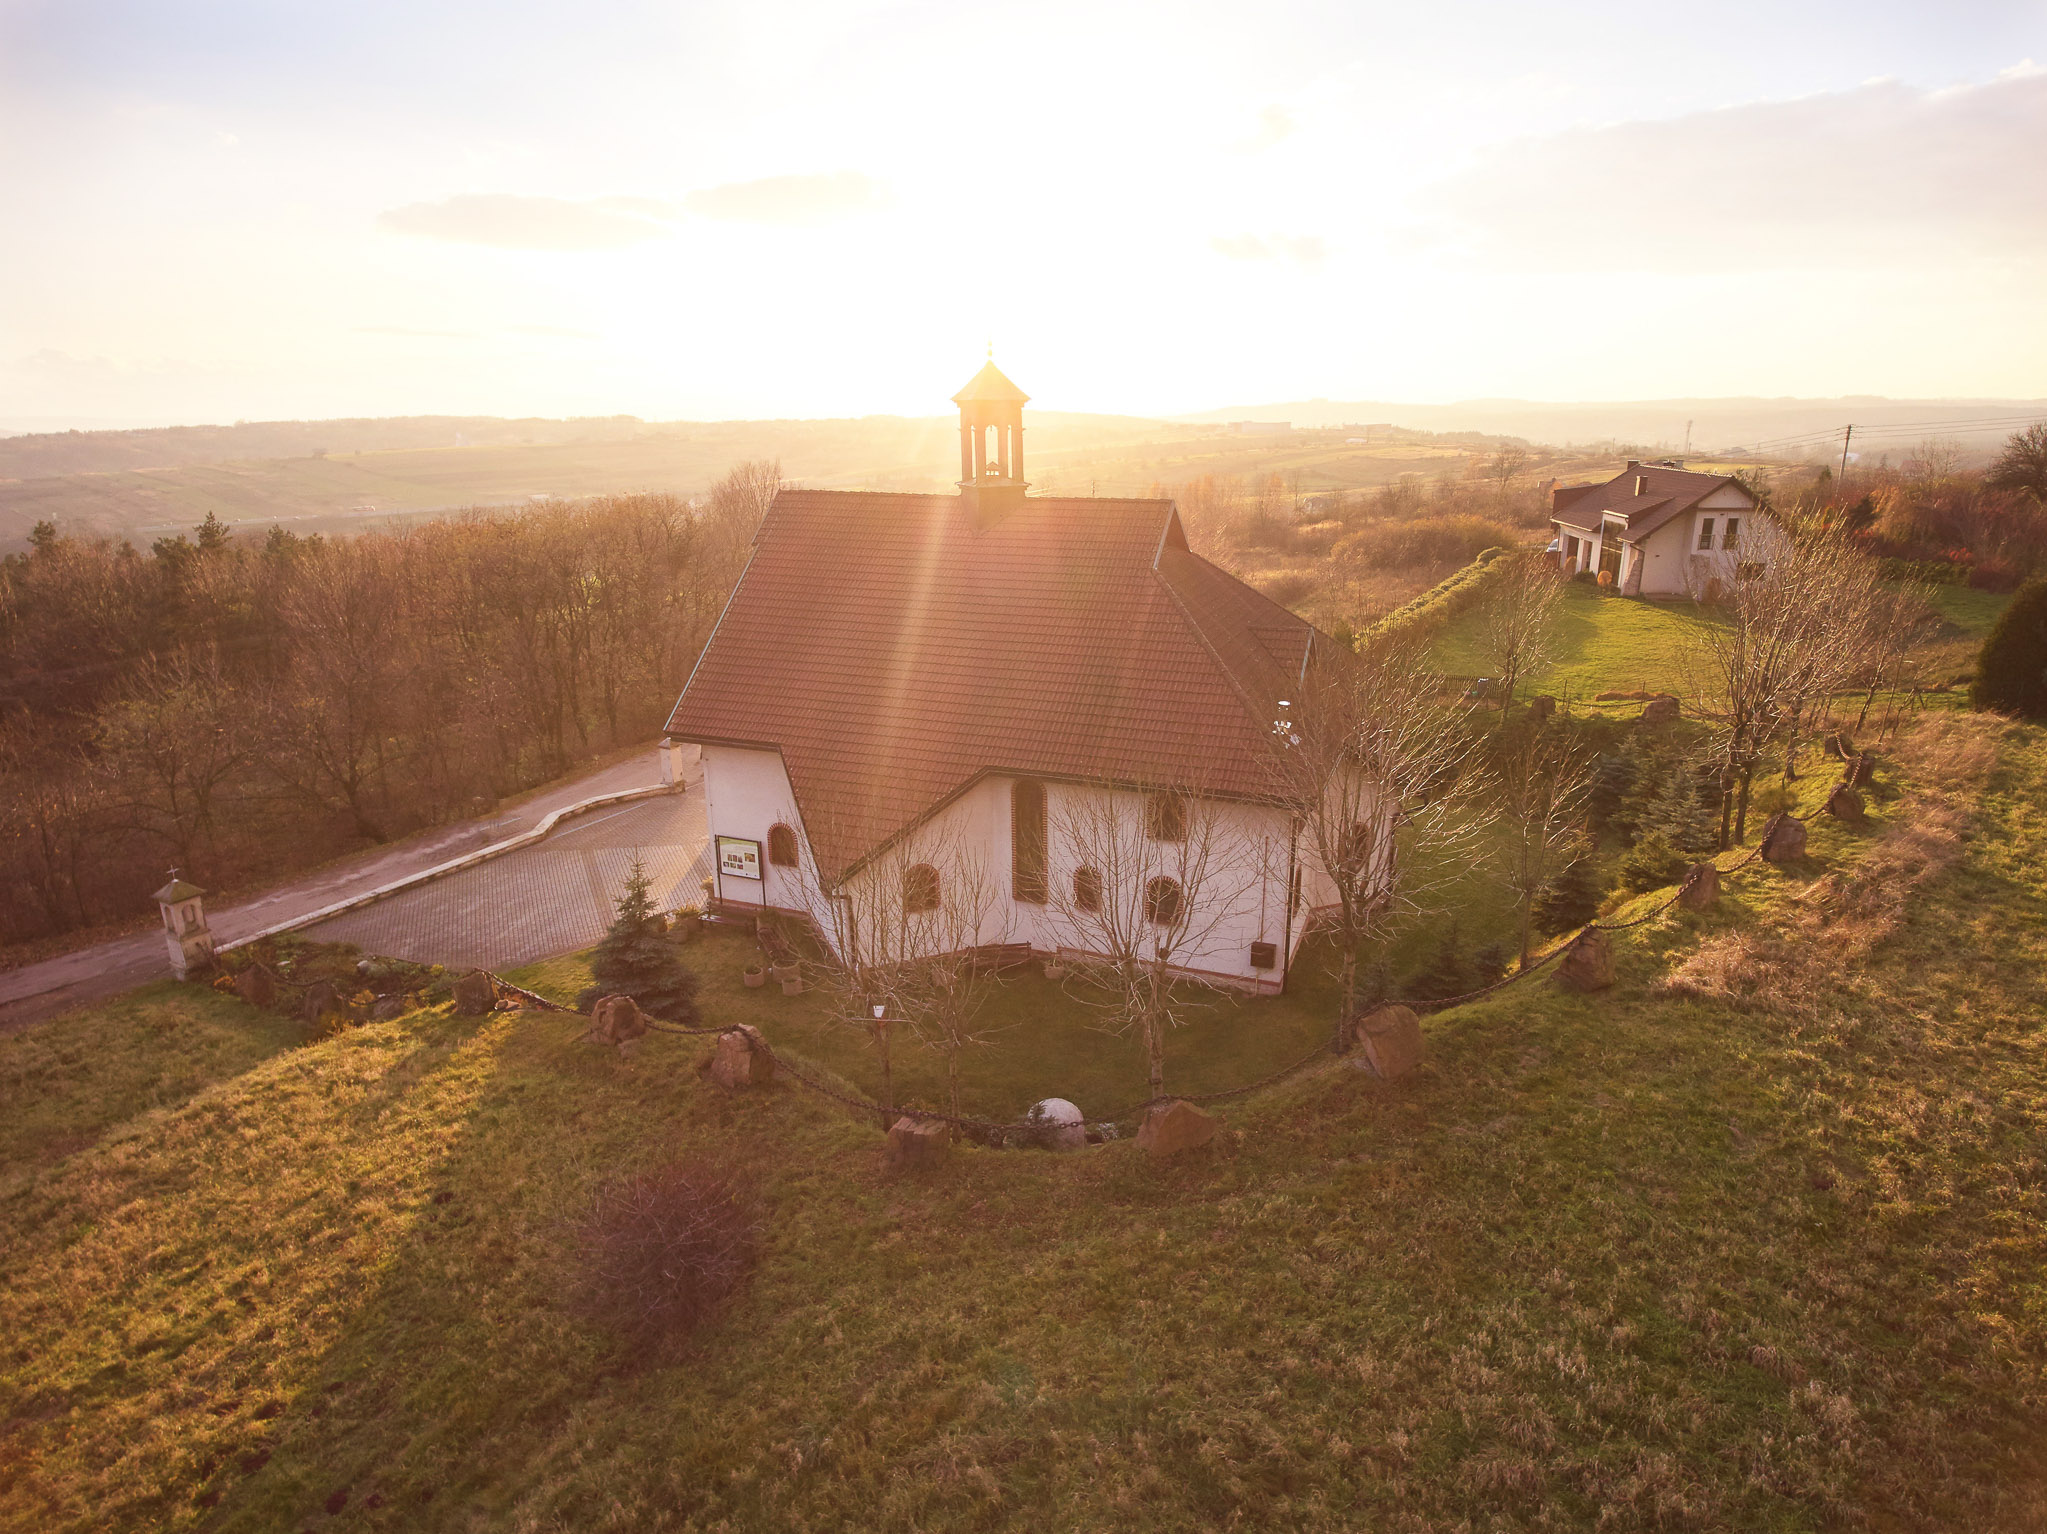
(1768, 1257)
(1600, 644)
(1626, 644)
(1048, 1042)
(65, 1083)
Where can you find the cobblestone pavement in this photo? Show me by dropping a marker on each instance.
(553, 897)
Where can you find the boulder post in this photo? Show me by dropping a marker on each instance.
(1391, 1038)
(1172, 1127)
(1784, 839)
(475, 994)
(1660, 709)
(742, 1059)
(919, 1144)
(1588, 962)
(1845, 804)
(256, 985)
(1701, 888)
(1056, 1124)
(616, 1020)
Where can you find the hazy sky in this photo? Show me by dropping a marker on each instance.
(262, 208)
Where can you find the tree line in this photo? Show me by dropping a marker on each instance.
(243, 706)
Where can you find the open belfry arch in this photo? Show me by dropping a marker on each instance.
(991, 441)
(910, 693)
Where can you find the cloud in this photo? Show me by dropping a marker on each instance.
(791, 199)
(1305, 251)
(532, 223)
(1884, 174)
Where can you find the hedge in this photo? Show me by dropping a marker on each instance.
(1428, 614)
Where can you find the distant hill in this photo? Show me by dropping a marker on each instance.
(1716, 425)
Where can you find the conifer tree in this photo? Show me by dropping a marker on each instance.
(2011, 673)
(635, 960)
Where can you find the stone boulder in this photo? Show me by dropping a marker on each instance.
(1839, 746)
(321, 1001)
(1701, 888)
(388, 1007)
(1661, 709)
(615, 1020)
(1541, 706)
(1784, 839)
(737, 1063)
(1391, 1038)
(1863, 770)
(1588, 962)
(1057, 1124)
(257, 986)
(918, 1145)
(1846, 804)
(1170, 1128)
(475, 994)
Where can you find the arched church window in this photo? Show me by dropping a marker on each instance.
(782, 846)
(1087, 889)
(1027, 841)
(1162, 900)
(920, 889)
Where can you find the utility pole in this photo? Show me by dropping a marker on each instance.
(1846, 437)
(1688, 439)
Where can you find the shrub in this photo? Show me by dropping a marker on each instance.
(1571, 897)
(1652, 863)
(1399, 545)
(1773, 800)
(2011, 673)
(1289, 586)
(661, 1252)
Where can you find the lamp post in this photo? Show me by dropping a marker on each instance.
(888, 1091)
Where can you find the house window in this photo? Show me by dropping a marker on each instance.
(1087, 889)
(1027, 841)
(1705, 533)
(1264, 955)
(781, 846)
(1165, 817)
(1162, 901)
(920, 889)
(1727, 539)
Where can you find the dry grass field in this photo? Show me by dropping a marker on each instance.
(1753, 1240)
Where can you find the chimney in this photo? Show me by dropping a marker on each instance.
(1641, 484)
(1633, 464)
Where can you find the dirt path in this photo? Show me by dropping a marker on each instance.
(465, 913)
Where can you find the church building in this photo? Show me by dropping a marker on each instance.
(906, 694)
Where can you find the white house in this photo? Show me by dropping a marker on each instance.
(1662, 530)
(1007, 676)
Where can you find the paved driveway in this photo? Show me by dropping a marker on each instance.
(477, 923)
(553, 897)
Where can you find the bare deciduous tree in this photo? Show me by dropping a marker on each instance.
(1379, 773)
(1545, 781)
(1145, 881)
(1789, 630)
(1517, 618)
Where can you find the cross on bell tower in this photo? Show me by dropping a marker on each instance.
(991, 443)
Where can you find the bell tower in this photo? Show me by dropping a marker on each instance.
(991, 444)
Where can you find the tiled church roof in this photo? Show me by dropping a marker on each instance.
(892, 652)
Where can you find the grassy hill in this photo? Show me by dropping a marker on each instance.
(1753, 1240)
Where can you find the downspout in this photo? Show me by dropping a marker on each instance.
(1286, 947)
